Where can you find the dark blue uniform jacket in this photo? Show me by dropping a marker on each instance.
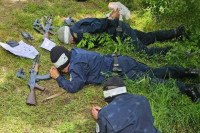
(88, 25)
(85, 67)
(127, 113)
(90, 67)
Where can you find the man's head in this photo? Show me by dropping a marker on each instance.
(64, 35)
(113, 87)
(60, 57)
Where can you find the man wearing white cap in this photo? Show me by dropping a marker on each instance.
(86, 67)
(139, 39)
(125, 113)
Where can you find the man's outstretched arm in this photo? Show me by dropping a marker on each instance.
(76, 82)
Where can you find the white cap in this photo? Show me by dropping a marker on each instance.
(114, 92)
(64, 34)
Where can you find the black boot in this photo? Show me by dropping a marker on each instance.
(192, 72)
(180, 32)
(193, 92)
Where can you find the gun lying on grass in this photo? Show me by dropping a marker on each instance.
(31, 100)
(20, 73)
(45, 29)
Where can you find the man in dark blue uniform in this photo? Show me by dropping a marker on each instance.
(87, 67)
(141, 40)
(125, 113)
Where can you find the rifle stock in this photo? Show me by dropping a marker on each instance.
(31, 100)
(46, 35)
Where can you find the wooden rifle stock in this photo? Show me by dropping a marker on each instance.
(31, 100)
(46, 35)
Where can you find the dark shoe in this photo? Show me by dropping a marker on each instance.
(192, 72)
(180, 32)
(193, 92)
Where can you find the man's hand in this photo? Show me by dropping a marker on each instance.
(95, 111)
(54, 72)
(114, 14)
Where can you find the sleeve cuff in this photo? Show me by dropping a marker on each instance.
(59, 78)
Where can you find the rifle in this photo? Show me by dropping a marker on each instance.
(20, 73)
(48, 27)
(45, 30)
(31, 100)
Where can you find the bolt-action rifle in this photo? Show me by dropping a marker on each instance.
(31, 100)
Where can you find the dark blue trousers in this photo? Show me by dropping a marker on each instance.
(136, 70)
(151, 37)
(141, 40)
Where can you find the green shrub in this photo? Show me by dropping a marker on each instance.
(162, 9)
(180, 11)
(107, 45)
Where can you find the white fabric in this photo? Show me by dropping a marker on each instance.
(47, 44)
(23, 50)
(113, 92)
(123, 10)
(97, 128)
(62, 60)
(67, 35)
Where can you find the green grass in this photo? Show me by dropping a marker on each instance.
(170, 109)
(71, 113)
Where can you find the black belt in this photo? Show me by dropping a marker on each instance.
(119, 28)
(116, 67)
